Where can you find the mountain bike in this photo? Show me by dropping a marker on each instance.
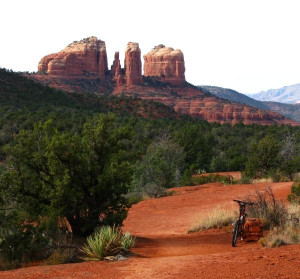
(239, 224)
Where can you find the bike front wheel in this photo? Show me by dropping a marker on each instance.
(235, 233)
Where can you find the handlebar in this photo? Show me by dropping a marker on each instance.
(244, 202)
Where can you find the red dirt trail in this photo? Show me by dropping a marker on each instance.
(164, 249)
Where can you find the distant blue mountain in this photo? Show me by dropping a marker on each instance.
(291, 111)
(232, 95)
(286, 94)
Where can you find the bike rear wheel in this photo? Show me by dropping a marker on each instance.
(235, 233)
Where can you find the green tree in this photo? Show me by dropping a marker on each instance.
(83, 178)
(160, 168)
(197, 146)
(294, 196)
(263, 157)
(219, 163)
(289, 158)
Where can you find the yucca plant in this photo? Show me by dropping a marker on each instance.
(107, 241)
(127, 241)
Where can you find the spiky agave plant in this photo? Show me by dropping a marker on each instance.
(127, 241)
(107, 241)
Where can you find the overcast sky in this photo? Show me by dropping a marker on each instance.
(246, 45)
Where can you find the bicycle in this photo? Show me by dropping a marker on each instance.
(238, 228)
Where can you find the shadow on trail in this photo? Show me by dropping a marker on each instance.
(209, 242)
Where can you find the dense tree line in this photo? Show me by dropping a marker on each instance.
(66, 155)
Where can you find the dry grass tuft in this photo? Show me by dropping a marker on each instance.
(261, 180)
(216, 219)
(289, 234)
(275, 238)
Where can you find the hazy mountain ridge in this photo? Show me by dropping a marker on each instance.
(291, 111)
(232, 95)
(287, 94)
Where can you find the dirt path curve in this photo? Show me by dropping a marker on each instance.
(165, 251)
(175, 214)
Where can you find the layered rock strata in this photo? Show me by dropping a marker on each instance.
(165, 63)
(133, 64)
(192, 101)
(86, 57)
(252, 230)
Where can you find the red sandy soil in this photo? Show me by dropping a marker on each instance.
(164, 249)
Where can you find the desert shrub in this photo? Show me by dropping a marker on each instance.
(20, 243)
(212, 178)
(6, 264)
(187, 178)
(62, 256)
(219, 163)
(272, 212)
(245, 180)
(216, 219)
(134, 198)
(288, 235)
(161, 167)
(279, 176)
(76, 176)
(263, 157)
(200, 171)
(58, 231)
(294, 197)
(107, 241)
(294, 210)
(290, 160)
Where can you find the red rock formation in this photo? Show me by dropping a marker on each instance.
(78, 67)
(43, 64)
(192, 101)
(87, 56)
(117, 71)
(165, 63)
(133, 64)
(115, 63)
(118, 75)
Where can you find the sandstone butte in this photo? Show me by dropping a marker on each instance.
(133, 64)
(165, 63)
(87, 56)
(84, 63)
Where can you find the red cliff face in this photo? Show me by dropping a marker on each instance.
(79, 66)
(133, 64)
(192, 101)
(165, 63)
(85, 57)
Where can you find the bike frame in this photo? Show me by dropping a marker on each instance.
(242, 217)
(238, 228)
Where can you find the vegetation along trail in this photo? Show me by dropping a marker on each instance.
(165, 250)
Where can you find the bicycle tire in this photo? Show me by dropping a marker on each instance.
(235, 233)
